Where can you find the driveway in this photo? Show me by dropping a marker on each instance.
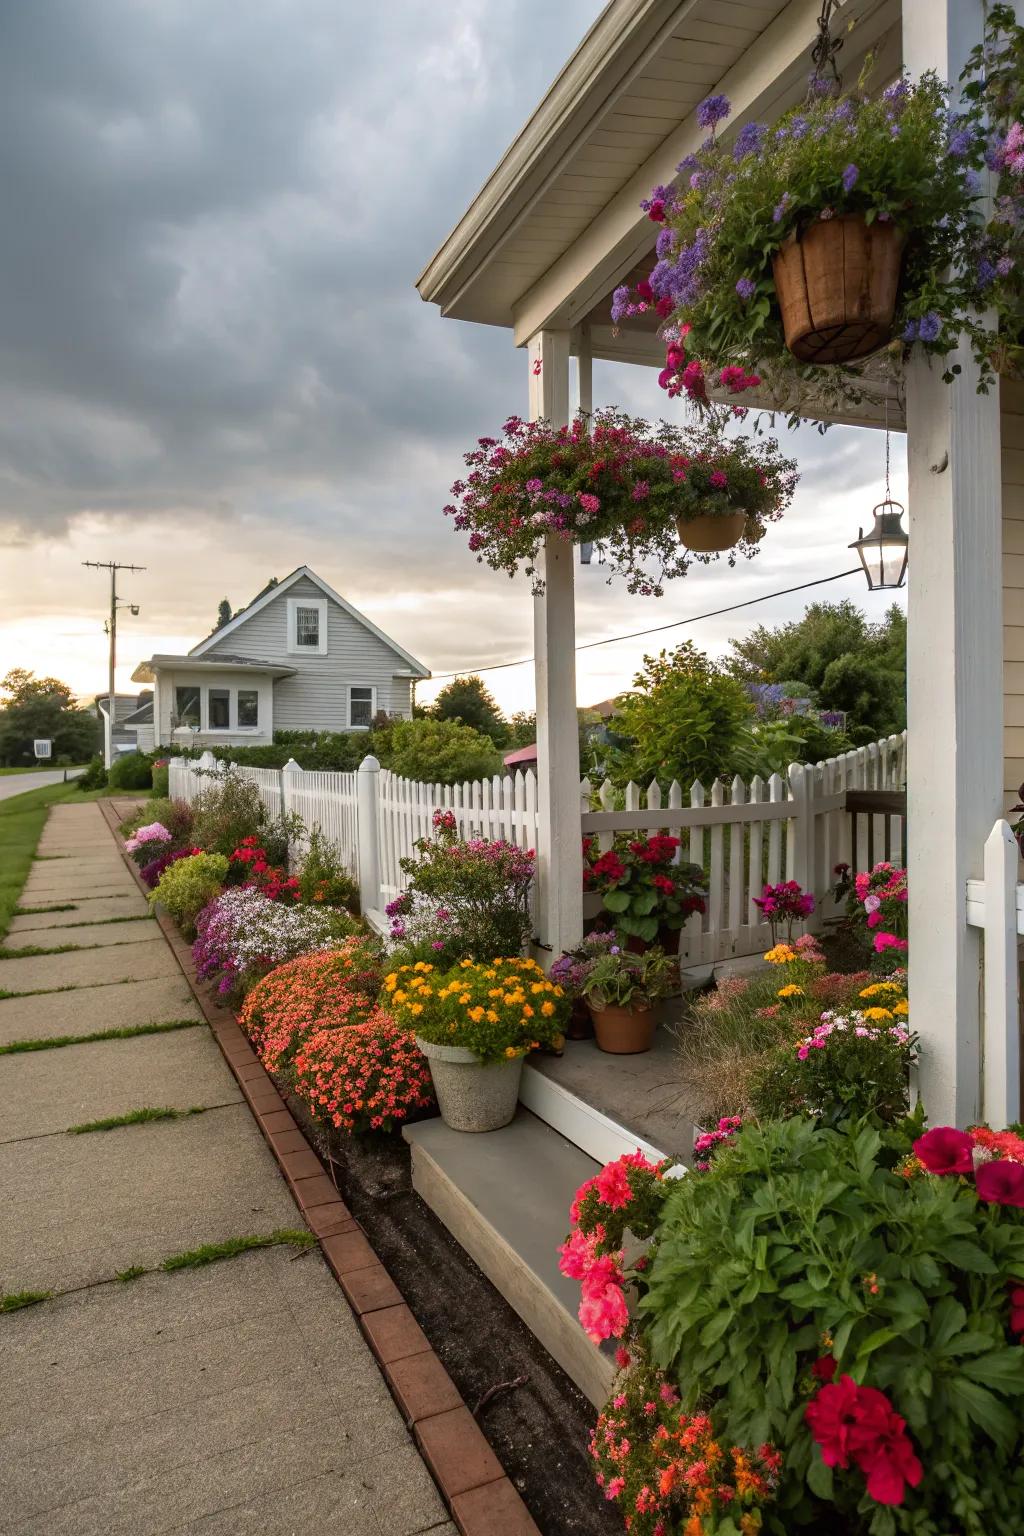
(21, 783)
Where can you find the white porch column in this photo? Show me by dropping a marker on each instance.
(954, 661)
(560, 861)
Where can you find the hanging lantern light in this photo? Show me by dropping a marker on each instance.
(883, 551)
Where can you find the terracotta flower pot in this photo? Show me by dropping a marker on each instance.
(837, 287)
(706, 534)
(623, 1031)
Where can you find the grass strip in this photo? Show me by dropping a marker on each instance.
(13, 1301)
(135, 1117)
(212, 1253)
(55, 906)
(29, 951)
(134, 1272)
(22, 819)
(55, 1042)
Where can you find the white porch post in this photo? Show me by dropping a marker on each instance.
(559, 856)
(954, 661)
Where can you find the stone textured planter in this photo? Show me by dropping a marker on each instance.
(706, 535)
(472, 1095)
(837, 288)
(623, 1031)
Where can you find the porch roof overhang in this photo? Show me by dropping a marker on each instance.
(146, 671)
(558, 225)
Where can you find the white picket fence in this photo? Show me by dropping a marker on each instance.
(995, 904)
(792, 828)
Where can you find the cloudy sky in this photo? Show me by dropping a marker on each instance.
(214, 361)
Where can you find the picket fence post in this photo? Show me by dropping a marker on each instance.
(1001, 992)
(285, 779)
(803, 841)
(367, 786)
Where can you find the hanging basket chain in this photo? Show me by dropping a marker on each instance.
(826, 47)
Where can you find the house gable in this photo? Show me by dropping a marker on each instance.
(352, 671)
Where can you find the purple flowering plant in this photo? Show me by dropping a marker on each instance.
(903, 155)
(618, 482)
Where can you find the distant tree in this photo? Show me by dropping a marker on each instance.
(468, 699)
(436, 751)
(522, 731)
(43, 708)
(685, 721)
(845, 661)
(223, 614)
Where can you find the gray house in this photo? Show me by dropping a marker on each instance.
(298, 658)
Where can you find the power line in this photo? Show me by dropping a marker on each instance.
(637, 634)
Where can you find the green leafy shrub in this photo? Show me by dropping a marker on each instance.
(804, 1254)
(228, 811)
(323, 877)
(187, 886)
(161, 779)
(95, 775)
(851, 1066)
(132, 770)
(473, 891)
(175, 815)
(436, 751)
(684, 721)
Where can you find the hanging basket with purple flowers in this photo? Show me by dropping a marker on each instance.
(786, 252)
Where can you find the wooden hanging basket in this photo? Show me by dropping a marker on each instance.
(706, 535)
(837, 287)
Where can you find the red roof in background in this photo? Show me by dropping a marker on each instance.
(521, 756)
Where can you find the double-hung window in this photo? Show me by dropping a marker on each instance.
(248, 709)
(360, 708)
(307, 626)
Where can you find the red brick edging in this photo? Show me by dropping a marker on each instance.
(482, 1500)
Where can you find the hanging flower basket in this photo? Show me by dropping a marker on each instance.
(788, 251)
(837, 286)
(710, 535)
(634, 490)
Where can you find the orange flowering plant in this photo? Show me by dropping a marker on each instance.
(327, 989)
(501, 1008)
(370, 1077)
(667, 1471)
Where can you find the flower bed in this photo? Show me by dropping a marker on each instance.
(840, 1310)
(621, 483)
(368, 1077)
(327, 989)
(243, 934)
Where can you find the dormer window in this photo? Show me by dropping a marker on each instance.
(307, 626)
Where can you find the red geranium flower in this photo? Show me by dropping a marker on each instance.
(831, 1417)
(882, 1449)
(825, 1368)
(945, 1150)
(1001, 1183)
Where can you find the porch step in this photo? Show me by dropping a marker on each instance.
(505, 1197)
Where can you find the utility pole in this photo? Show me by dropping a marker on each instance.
(113, 567)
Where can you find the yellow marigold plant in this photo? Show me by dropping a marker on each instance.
(496, 1009)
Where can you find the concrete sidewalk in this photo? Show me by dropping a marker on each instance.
(217, 1400)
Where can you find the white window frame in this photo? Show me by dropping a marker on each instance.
(294, 604)
(373, 705)
(259, 708)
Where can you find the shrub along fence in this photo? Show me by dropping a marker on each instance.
(792, 828)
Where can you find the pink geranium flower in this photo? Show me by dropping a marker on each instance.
(945, 1150)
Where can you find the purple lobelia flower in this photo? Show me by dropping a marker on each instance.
(850, 177)
(713, 110)
(746, 288)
